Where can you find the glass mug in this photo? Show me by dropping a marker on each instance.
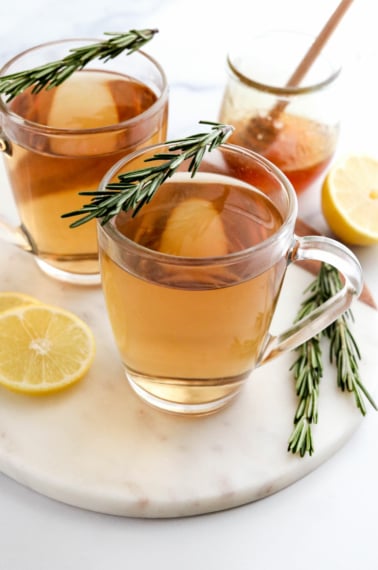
(63, 140)
(192, 281)
(295, 126)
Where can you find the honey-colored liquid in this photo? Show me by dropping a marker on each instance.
(302, 149)
(187, 334)
(47, 172)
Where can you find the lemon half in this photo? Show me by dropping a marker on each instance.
(350, 199)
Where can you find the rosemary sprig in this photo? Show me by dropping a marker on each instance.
(344, 352)
(308, 369)
(54, 73)
(135, 189)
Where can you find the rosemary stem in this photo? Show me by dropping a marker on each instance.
(135, 189)
(307, 368)
(54, 73)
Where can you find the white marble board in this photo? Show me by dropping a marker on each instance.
(98, 447)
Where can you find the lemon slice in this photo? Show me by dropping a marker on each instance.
(83, 102)
(10, 299)
(194, 229)
(350, 200)
(43, 349)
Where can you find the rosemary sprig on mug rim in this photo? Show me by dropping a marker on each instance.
(54, 73)
(135, 189)
(308, 369)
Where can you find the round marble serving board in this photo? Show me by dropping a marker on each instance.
(97, 446)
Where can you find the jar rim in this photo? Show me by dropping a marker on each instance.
(277, 89)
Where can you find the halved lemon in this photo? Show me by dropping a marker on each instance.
(11, 299)
(43, 348)
(350, 199)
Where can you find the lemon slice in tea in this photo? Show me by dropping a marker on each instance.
(194, 229)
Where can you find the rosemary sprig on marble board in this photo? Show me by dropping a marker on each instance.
(308, 370)
(54, 73)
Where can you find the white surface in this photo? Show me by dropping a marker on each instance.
(327, 519)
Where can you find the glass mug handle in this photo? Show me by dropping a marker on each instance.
(9, 232)
(326, 250)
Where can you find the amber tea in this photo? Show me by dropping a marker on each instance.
(46, 180)
(63, 142)
(183, 322)
(192, 280)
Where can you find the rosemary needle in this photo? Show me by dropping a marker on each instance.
(135, 189)
(54, 73)
(308, 370)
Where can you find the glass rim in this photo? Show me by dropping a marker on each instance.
(279, 89)
(284, 232)
(21, 121)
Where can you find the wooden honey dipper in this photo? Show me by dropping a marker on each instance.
(261, 131)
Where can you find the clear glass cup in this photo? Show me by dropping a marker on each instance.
(62, 141)
(295, 126)
(192, 281)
